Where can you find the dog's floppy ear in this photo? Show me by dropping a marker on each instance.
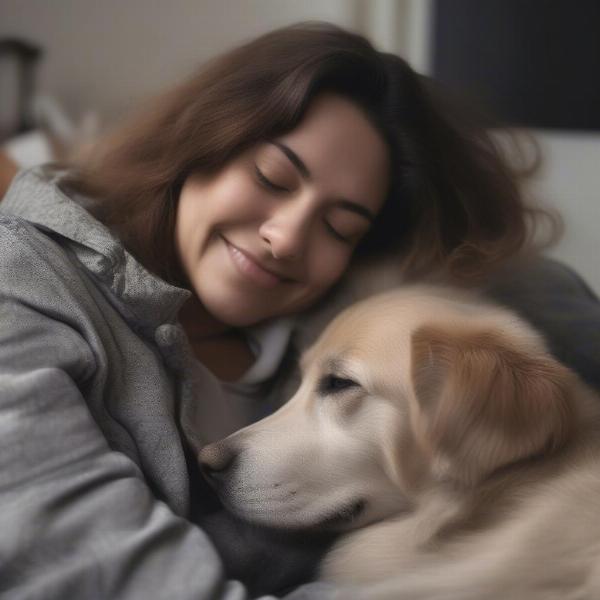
(483, 402)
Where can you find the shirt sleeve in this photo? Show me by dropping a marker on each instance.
(77, 519)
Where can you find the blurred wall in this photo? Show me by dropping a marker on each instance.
(570, 180)
(111, 55)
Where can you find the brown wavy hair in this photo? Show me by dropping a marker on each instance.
(454, 202)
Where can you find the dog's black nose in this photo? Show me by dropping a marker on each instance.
(216, 459)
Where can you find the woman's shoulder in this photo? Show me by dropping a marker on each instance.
(39, 196)
(24, 246)
(49, 242)
(35, 270)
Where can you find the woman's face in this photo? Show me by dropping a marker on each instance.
(272, 231)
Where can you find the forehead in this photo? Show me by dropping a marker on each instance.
(342, 149)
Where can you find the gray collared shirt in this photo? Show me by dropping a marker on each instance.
(96, 383)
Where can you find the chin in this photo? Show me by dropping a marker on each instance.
(238, 306)
(238, 314)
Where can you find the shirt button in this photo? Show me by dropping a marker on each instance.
(167, 335)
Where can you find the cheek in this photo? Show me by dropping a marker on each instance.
(232, 199)
(228, 198)
(328, 265)
(324, 269)
(186, 230)
(323, 273)
(234, 195)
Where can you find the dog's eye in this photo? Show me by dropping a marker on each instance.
(330, 384)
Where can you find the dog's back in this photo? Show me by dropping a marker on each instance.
(543, 543)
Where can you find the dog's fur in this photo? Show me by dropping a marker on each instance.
(435, 429)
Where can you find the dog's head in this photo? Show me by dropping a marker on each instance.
(400, 391)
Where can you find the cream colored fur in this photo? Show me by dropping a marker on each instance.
(459, 458)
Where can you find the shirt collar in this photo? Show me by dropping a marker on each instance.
(36, 196)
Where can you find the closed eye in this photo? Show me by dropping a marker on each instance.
(332, 384)
(336, 234)
(267, 183)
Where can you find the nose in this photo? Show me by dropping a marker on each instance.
(216, 460)
(285, 232)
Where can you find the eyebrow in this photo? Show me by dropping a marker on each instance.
(337, 365)
(354, 207)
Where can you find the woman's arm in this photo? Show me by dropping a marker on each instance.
(77, 519)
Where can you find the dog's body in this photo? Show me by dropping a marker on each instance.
(463, 460)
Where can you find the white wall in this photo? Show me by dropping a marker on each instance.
(112, 54)
(570, 181)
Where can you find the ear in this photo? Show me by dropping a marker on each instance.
(483, 402)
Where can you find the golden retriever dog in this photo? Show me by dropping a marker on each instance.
(436, 431)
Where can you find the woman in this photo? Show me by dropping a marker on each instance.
(146, 293)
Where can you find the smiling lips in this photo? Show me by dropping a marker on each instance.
(248, 267)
